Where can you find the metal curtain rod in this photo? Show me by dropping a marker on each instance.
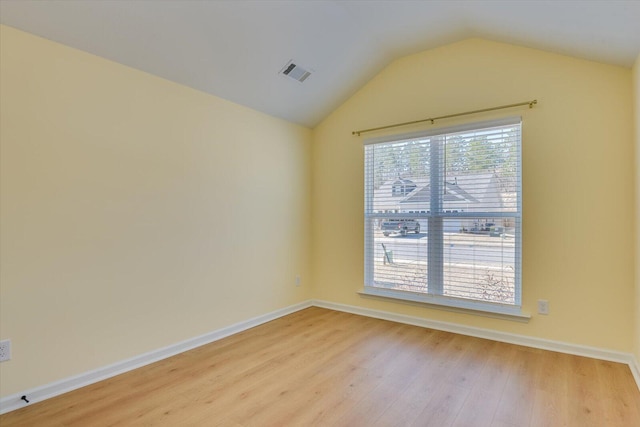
(433, 119)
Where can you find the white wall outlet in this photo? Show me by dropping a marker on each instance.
(5, 350)
(297, 280)
(543, 306)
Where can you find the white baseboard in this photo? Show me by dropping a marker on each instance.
(13, 402)
(634, 365)
(47, 391)
(562, 347)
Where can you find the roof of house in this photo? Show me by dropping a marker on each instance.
(464, 188)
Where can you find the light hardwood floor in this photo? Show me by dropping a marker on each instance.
(319, 367)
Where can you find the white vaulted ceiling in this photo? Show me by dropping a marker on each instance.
(235, 49)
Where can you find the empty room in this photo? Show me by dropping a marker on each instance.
(319, 213)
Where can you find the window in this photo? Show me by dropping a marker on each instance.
(402, 187)
(443, 217)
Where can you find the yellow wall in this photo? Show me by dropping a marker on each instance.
(578, 182)
(636, 117)
(135, 212)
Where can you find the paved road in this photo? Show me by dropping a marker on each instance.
(458, 248)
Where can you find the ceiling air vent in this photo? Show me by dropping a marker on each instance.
(295, 72)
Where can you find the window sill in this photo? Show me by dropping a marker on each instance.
(486, 309)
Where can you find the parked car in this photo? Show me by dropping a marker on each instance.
(401, 226)
(479, 228)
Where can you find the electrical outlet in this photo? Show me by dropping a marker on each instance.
(5, 350)
(297, 280)
(543, 306)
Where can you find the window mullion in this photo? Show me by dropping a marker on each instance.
(435, 242)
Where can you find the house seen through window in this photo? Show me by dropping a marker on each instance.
(443, 216)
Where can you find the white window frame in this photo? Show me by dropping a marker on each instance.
(491, 309)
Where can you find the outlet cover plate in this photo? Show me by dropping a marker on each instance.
(5, 350)
(543, 306)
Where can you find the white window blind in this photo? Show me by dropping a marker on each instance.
(443, 216)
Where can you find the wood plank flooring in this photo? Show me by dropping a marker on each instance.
(319, 367)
